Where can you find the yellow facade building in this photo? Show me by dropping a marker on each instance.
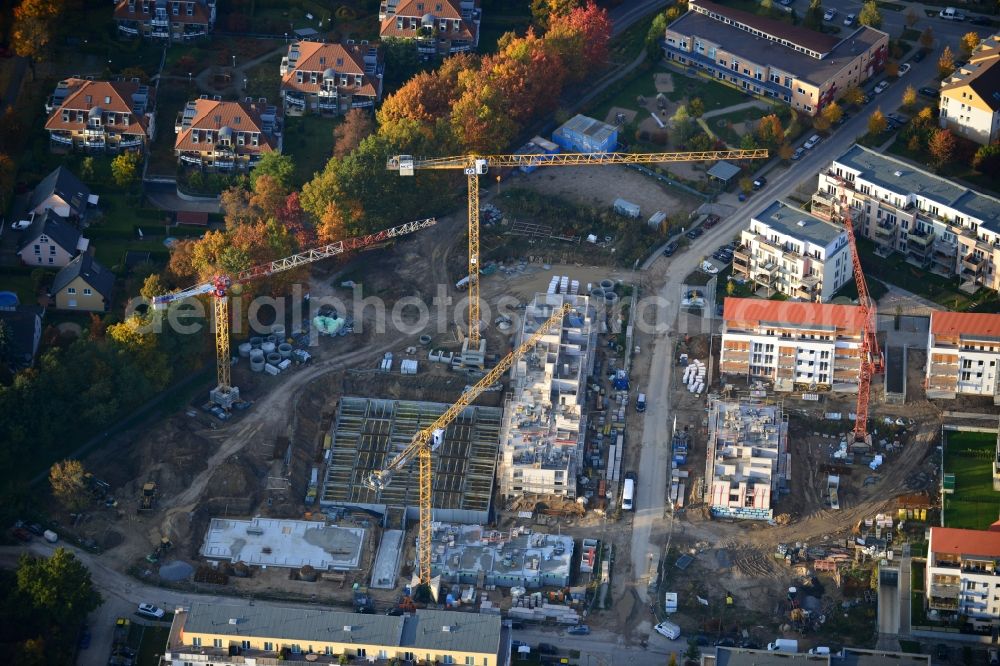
(265, 634)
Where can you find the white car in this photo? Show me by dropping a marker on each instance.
(849, 20)
(811, 143)
(20, 225)
(668, 629)
(904, 68)
(829, 14)
(151, 611)
(881, 87)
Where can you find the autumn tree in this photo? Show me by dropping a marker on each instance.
(746, 183)
(347, 136)
(696, 108)
(543, 11)
(276, 165)
(941, 147)
(332, 225)
(924, 119)
(68, 484)
(682, 125)
(814, 15)
(481, 120)
(767, 6)
(877, 123)
(748, 142)
(909, 97)
(785, 151)
(870, 15)
(770, 131)
(125, 168)
(152, 287)
(987, 159)
(946, 63)
(821, 123)
(581, 37)
(268, 196)
(34, 25)
(926, 39)
(655, 35)
(892, 69)
(293, 218)
(969, 42)
(832, 113)
(853, 95)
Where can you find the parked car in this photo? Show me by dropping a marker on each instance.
(797, 155)
(849, 20)
(725, 642)
(711, 221)
(668, 629)
(811, 143)
(843, 119)
(694, 233)
(927, 91)
(865, 99)
(151, 611)
(919, 55)
(880, 88)
(759, 183)
(21, 534)
(579, 630)
(981, 20)
(20, 225)
(904, 68)
(898, 118)
(670, 248)
(829, 14)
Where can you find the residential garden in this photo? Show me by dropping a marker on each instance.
(969, 456)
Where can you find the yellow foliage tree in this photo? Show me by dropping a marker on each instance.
(68, 484)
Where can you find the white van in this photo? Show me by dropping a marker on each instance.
(628, 495)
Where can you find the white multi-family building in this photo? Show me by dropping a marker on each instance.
(970, 97)
(803, 345)
(963, 574)
(789, 251)
(541, 441)
(963, 349)
(936, 224)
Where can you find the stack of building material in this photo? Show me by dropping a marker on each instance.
(408, 367)
(694, 376)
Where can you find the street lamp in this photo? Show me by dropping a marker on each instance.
(234, 62)
(189, 78)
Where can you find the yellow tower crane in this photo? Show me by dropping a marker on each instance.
(426, 441)
(225, 394)
(475, 166)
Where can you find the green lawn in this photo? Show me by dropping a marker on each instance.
(19, 283)
(148, 642)
(713, 95)
(969, 456)
(169, 103)
(624, 93)
(309, 141)
(264, 80)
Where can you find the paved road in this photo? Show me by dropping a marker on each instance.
(604, 648)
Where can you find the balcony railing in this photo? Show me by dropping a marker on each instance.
(885, 230)
(921, 239)
(59, 138)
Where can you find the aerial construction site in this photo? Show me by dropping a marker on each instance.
(495, 467)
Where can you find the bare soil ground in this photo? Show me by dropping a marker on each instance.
(600, 186)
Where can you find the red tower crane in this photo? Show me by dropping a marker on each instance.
(871, 355)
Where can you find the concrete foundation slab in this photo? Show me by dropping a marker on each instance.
(284, 543)
(386, 569)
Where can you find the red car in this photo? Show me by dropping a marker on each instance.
(710, 221)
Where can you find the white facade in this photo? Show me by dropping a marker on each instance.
(963, 574)
(969, 104)
(541, 441)
(793, 345)
(935, 223)
(963, 350)
(789, 251)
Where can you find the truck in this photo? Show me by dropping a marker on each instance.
(951, 14)
(679, 446)
(628, 494)
(640, 403)
(783, 645)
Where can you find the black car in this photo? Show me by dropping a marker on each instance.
(394, 612)
(927, 91)
(365, 610)
(725, 642)
(694, 233)
(670, 248)
(843, 119)
(981, 20)
(700, 640)
(759, 183)
(919, 55)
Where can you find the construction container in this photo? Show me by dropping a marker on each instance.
(586, 135)
(656, 220)
(627, 208)
(537, 146)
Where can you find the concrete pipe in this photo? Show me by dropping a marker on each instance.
(274, 358)
(278, 331)
(257, 364)
(425, 340)
(255, 341)
(285, 350)
(597, 293)
(607, 285)
(610, 298)
(271, 338)
(268, 347)
(245, 349)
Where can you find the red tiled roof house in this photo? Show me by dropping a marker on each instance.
(330, 78)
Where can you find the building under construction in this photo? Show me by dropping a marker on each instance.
(748, 458)
(544, 421)
(368, 433)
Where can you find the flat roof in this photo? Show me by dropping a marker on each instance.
(802, 36)
(792, 221)
(471, 549)
(767, 52)
(430, 629)
(589, 126)
(743, 657)
(862, 657)
(724, 170)
(284, 543)
(882, 170)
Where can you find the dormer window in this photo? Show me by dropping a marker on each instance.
(298, 76)
(65, 116)
(340, 62)
(399, 23)
(194, 136)
(322, 60)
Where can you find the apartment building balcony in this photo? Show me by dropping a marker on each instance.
(973, 265)
(130, 142)
(921, 240)
(808, 287)
(747, 82)
(824, 205)
(983, 570)
(65, 139)
(883, 231)
(734, 367)
(132, 31)
(736, 354)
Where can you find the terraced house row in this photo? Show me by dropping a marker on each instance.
(802, 67)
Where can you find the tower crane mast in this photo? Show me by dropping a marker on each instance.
(475, 166)
(225, 394)
(871, 355)
(427, 440)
